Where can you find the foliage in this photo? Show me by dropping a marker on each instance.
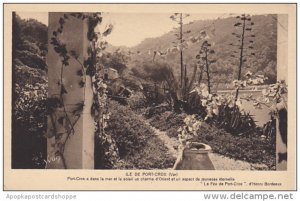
(275, 96)
(29, 94)
(163, 119)
(179, 17)
(33, 31)
(156, 72)
(205, 62)
(153, 156)
(189, 130)
(161, 84)
(127, 129)
(31, 59)
(219, 33)
(29, 119)
(88, 68)
(234, 121)
(254, 148)
(137, 101)
(245, 44)
(244, 37)
(107, 152)
(167, 120)
(138, 147)
(31, 42)
(153, 111)
(116, 60)
(225, 112)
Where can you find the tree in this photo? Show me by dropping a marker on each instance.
(179, 17)
(204, 61)
(244, 43)
(116, 60)
(160, 75)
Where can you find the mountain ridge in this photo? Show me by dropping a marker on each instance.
(219, 34)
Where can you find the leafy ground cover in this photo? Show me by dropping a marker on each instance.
(255, 149)
(137, 144)
(29, 122)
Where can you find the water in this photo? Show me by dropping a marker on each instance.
(261, 116)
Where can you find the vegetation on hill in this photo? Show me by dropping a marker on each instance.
(138, 147)
(31, 43)
(149, 76)
(219, 34)
(29, 119)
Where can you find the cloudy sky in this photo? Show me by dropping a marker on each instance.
(132, 28)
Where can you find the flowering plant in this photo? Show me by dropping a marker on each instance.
(189, 130)
(212, 102)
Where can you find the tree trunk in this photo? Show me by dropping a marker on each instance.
(241, 56)
(181, 53)
(207, 71)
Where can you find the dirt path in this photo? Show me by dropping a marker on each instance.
(220, 162)
(170, 143)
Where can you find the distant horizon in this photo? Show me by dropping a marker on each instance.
(135, 27)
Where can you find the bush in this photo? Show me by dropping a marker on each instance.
(127, 129)
(137, 144)
(153, 156)
(137, 101)
(251, 149)
(31, 59)
(156, 111)
(29, 93)
(234, 121)
(29, 120)
(167, 120)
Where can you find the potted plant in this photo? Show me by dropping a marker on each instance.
(192, 155)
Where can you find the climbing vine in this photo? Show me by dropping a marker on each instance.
(63, 120)
(102, 115)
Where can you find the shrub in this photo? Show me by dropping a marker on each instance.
(234, 121)
(153, 156)
(31, 59)
(29, 119)
(252, 149)
(167, 120)
(156, 111)
(127, 129)
(137, 101)
(137, 144)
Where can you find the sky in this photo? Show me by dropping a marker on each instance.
(132, 28)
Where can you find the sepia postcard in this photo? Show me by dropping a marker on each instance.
(149, 97)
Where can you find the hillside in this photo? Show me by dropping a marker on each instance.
(143, 119)
(219, 34)
(31, 43)
(29, 118)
